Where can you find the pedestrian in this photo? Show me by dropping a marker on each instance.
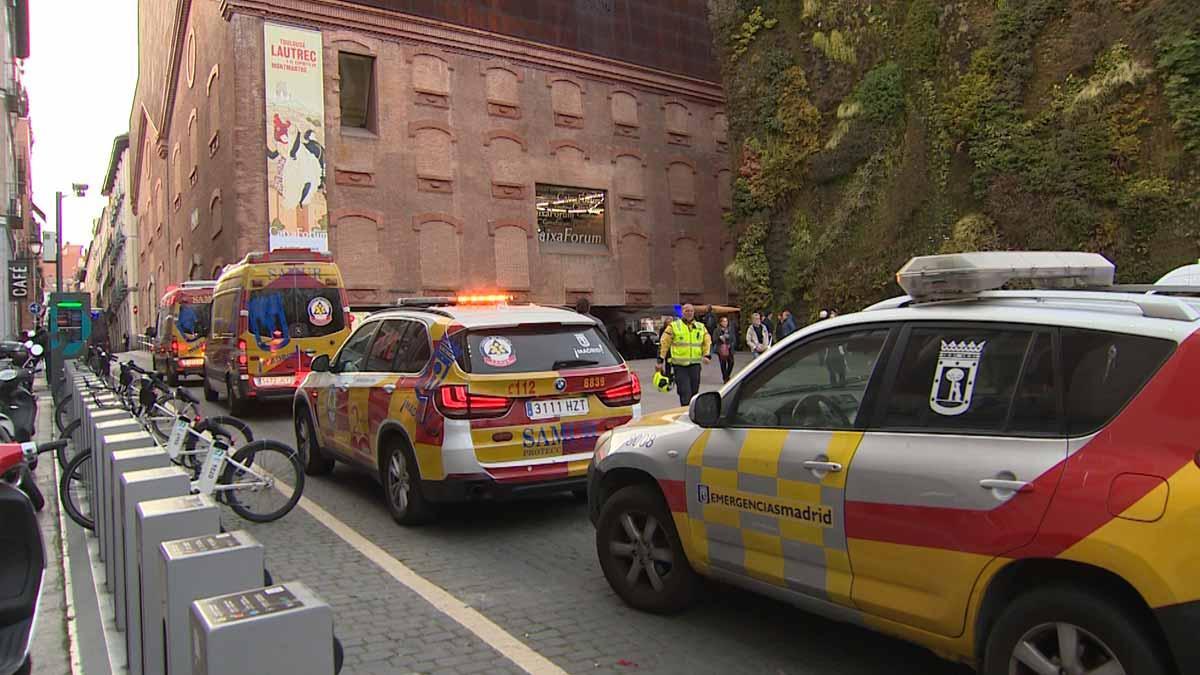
(769, 322)
(584, 307)
(687, 343)
(758, 336)
(726, 340)
(787, 324)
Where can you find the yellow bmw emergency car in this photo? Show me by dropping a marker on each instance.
(1009, 478)
(455, 399)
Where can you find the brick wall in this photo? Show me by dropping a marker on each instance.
(439, 195)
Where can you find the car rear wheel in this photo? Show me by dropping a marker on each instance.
(1069, 631)
(402, 487)
(640, 552)
(315, 461)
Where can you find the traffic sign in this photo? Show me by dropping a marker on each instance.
(35, 308)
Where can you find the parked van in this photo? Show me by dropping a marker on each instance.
(273, 313)
(181, 330)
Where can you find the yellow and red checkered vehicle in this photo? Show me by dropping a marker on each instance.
(1008, 478)
(457, 399)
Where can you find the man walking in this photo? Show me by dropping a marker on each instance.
(787, 324)
(758, 336)
(688, 344)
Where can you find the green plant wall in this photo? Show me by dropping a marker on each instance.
(869, 131)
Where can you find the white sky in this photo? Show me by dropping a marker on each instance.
(80, 74)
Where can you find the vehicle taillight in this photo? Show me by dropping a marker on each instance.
(623, 394)
(454, 401)
(174, 347)
(241, 352)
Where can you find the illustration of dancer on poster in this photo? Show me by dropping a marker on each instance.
(295, 151)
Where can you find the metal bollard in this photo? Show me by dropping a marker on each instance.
(102, 510)
(278, 630)
(156, 480)
(202, 567)
(158, 521)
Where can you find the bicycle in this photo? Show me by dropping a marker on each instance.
(244, 479)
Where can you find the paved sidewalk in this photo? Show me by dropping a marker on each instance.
(51, 645)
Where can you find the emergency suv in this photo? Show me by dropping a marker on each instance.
(1007, 477)
(454, 399)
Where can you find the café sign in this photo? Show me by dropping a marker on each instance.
(19, 283)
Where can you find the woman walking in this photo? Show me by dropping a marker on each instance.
(726, 340)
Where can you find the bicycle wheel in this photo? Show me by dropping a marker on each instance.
(267, 464)
(162, 416)
(63, 454)
(233, 431)
(63, 413)
(73, 490)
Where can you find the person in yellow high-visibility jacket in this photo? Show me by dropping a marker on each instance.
(687, 343)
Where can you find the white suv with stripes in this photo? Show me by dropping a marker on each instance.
(1009, 478)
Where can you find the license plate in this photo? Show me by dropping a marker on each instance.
(556, 407)
(275, 381)
(191, 363)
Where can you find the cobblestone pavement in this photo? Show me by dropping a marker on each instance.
(50, 650)
(530, 567)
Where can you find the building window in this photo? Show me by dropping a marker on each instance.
(357, 75)
(193, 148)
(176, 178)
(214, 110)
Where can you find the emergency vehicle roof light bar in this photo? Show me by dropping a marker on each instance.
(425, 301)
(207, 283)
(288, 255)
(960, 275)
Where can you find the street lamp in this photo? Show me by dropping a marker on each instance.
(80, 190)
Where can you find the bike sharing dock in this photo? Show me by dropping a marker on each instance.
(158, 586)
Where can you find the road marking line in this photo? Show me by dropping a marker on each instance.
(484, 628)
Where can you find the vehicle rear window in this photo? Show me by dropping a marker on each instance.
(194, 319)
(530, 349)
(1103, 371)
(300, 312)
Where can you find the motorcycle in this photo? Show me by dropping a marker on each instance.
(24, 561)
(18, 407)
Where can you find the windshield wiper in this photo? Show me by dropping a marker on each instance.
(573, 363)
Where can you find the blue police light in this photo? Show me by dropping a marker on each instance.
(679, 310)
(95, 314)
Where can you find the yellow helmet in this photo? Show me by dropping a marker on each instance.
(662, 382)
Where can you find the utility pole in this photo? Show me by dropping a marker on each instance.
(58, 196)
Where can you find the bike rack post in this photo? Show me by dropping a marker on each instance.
(102, 509)
(161, 520)
(229, 632)
(127, 464)
(202, 567)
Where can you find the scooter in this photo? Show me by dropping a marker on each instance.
(24, 561)
(18, 407)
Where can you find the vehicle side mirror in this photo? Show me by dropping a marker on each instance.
(705, 409)
(320, 364)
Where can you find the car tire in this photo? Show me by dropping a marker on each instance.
(405, 502)
(677, 581)
(211, 395)
(172, 376)
(237, 406)
(316, 462)
(1103, 630)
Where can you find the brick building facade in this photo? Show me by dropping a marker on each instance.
(464, 117)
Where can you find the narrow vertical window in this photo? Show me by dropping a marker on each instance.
(357, 89)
